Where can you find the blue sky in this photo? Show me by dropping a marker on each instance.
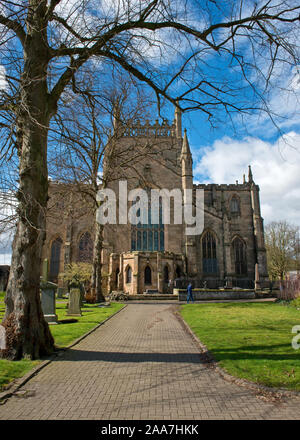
(222, 155)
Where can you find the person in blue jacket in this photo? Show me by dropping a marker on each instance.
(190, 293)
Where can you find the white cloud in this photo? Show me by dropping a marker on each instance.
(5, 259)
(3, 82)
(275, 166)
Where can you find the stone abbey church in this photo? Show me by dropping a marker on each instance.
(155, 257)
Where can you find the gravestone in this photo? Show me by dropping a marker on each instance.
(2, 338)
(48, 296)
(60, 292)
(74, 303)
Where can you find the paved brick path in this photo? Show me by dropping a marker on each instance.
(141, 364)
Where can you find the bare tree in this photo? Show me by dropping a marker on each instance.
(45, 44)
(280, 245)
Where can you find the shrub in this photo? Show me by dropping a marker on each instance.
(90, 298)
(290, 289)
(296, 302)
(77, 275)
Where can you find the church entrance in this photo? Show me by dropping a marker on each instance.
(147, 276)
(166, 288)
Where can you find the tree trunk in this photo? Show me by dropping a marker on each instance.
(97, 263)
(27, 332)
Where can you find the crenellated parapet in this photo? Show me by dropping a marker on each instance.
(150, 130)
(223, 186)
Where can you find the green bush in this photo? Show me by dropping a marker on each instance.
(296, 302)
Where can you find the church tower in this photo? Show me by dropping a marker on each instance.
(261, 271)
(187, 184)
(186, 164)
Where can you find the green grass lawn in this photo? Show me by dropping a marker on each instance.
(250, 340)
(63, 333)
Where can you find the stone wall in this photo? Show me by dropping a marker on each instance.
(202, 294)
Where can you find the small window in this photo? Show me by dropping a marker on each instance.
(128, 275)
(234, 205)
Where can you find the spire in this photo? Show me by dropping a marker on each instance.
(116, 116)
(185, 151)
(250, 176)
(178, 121)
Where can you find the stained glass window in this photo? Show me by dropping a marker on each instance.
(148, 236)
(85, 248)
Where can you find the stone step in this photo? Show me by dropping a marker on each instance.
(154, 297)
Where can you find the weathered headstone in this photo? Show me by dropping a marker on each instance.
(60, 292)
(48, 296)
(45, 270)
(74, 303)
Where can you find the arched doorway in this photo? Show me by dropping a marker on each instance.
(148, 275)
(117, 278)
(167, 279)
(166, 274)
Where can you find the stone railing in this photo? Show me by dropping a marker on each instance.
(150, 130)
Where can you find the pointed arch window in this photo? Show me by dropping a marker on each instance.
(209, 254)
(85, 248)
(239, 252)
(55, 258)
